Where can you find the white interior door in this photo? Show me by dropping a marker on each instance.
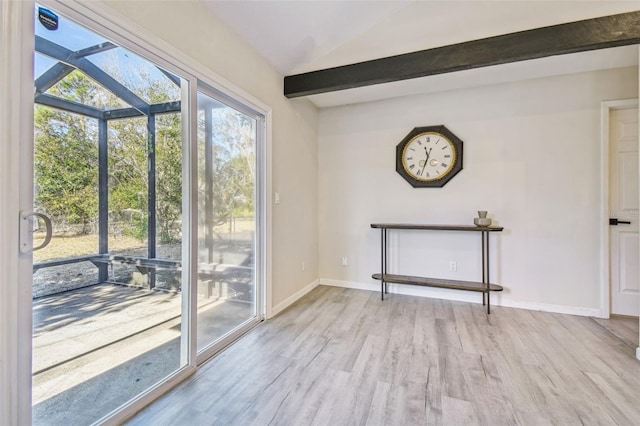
(623, 206)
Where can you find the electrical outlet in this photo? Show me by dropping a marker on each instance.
(345, 261)
(453, 266)
(304, 266)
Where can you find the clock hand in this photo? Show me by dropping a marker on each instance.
(427, 160)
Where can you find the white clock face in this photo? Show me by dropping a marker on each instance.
(429, 156)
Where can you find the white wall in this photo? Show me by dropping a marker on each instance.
(531, 158)
(196, 32)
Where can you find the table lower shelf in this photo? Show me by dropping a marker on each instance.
(437, 282)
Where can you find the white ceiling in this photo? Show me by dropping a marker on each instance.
(300, 36)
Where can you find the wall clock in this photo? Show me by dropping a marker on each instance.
(429, 157)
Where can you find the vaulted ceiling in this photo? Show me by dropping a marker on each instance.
(301, 36)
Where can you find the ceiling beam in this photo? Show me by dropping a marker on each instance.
(69, 57)
(580, 36)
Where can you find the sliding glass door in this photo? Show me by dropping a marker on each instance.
(227, 217)
(108, 289)
(154, 183)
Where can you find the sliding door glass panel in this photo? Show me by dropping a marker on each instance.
(226, 219)
(107, 306)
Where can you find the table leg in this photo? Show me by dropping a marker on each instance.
(483, 264)
(488, 280)
(385, 260)
(382, 256)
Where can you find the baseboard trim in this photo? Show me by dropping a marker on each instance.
(497, 299)
(291, 299)
(547, 307)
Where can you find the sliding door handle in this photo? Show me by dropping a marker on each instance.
(26, 231)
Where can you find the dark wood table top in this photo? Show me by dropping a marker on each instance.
(469, 228)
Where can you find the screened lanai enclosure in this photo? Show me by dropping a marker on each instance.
(102, 152)
(110, 161)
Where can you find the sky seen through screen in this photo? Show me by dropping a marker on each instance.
(135, 73)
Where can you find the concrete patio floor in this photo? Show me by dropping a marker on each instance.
(97, 347)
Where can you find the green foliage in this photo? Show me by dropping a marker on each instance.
(168, 177)
(233, 166)
(128, 180)
(138, 227)
(66, 159)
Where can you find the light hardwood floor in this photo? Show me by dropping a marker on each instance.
(624, 328)
(343, 357)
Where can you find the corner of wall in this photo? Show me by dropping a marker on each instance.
(291, 299)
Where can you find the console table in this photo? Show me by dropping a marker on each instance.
(483, 287)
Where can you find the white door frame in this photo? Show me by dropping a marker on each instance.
(605, 279)
(16, 162)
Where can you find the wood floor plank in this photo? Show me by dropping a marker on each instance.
(343, 357)
(396, 409)
(458, 412)
(361, 386)
(378, 408)
(334, 401)
(624, 328)
(316, 394)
